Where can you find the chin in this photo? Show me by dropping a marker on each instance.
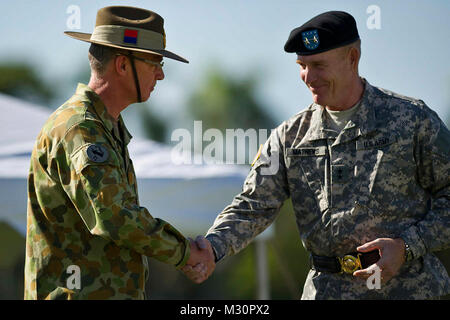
(146, 97)
(319, 100)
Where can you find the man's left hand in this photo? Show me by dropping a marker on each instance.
(392, 257)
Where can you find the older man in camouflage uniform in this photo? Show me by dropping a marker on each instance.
(367, 171)
(84, 217)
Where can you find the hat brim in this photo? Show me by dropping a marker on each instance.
(87, 38)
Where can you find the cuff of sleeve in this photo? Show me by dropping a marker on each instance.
(219, 246)
(186, 255)
(412, 237)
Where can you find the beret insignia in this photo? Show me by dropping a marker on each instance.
(311, 39)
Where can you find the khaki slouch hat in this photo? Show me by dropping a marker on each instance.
(129, 28)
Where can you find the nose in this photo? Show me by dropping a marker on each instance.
(308, 75)
(160, 74)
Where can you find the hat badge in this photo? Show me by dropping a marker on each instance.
(311, 39)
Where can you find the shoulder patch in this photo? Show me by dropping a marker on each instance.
(97, 153)
(257, 155)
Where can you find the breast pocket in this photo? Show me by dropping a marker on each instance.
(309, 164)
(383, 164)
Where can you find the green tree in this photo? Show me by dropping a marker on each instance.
(154, 127)
(21, 80)
(228, 103)
(224, 102)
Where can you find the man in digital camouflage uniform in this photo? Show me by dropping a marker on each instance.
(368, 173)
(83, 208)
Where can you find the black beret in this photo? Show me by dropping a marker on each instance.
(324, 32)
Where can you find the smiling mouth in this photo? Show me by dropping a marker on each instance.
(315, 88)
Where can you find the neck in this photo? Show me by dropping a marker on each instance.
(110, 94)
(355, 92)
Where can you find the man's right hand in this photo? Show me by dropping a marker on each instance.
(201, 261)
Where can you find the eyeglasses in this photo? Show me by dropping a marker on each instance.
(150, 62)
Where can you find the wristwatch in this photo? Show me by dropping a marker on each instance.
(408, 253)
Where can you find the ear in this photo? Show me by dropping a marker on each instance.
(354, 58)
(121, 65)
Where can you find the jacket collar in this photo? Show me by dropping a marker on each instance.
(364, 121)
(99, 108)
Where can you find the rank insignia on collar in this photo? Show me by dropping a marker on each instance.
(97, 153)
(311, 39)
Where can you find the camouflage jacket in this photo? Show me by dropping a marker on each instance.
(386, 174)
(83, 210)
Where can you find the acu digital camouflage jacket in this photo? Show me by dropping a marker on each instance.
(386, 174)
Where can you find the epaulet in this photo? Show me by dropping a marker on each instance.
(401, 97)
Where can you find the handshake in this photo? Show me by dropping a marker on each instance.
(201, 262)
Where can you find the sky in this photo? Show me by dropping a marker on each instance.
(407, 51)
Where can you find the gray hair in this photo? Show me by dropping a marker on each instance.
(99, 57)
(356, 45)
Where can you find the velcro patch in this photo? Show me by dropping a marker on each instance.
(375, 142)
(97, 153)
(307, 151)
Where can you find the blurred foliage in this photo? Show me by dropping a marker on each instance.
(23, 81)
(12, 262)
(223, 102)
(154, 127)
(83, 75)
(16, 245)
(228, 103)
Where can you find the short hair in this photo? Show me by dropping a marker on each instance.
(99, 57)
(356, 44)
